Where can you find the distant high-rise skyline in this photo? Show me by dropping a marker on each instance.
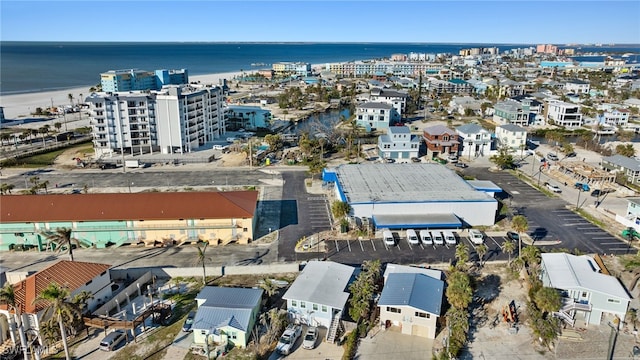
(534, 22)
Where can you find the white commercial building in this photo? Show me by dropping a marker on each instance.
(417, 196)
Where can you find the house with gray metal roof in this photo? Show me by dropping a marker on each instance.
(226, 314)
(396, 98)
(411, 196)
(511, 112)
(512, 136)
(412, 302)
(476, 141)
(624, 165)
(398, 144)
(376, 115)
(588, 292)
(318, 295)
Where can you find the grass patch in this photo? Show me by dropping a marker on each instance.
(47, 158)
(40, 160)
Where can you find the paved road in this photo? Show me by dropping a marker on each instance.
(302, 214)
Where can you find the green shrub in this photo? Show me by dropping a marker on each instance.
(351, 345)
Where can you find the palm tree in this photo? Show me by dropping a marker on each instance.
(55, 296)
(462, 255)
(508, 247)
(531, 256)
(519, 224)
(201, 260)
(481, 250)
(62, 237)
(8, 297)
(547, 299)
(81, 300)
(459, 291)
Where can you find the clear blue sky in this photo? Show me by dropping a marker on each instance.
(509, 21)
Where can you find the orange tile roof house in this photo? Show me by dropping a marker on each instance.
(101, 220)
(74, 275)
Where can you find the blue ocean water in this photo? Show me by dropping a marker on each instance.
(44, 66)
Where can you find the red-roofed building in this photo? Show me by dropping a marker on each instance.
(441, 140)
(76, 276)
(101, 220)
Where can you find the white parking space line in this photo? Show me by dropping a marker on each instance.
(385, 245)
(349, 245)
(611, 243)
(602, 238)
(593, 233)
(361, 246)
(410, 248)
(619, 249)
(494, 240)
(472, 244)
(398, 245)
(588, 228)
(337, 247)
(373, 244)
(421, 246)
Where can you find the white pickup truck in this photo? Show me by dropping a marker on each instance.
(288, 339)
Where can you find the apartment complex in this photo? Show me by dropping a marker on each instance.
(368, 68)
(115, 219)
(134, 79)
(176, 119)
(292, 68)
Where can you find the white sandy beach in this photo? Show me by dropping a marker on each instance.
(22, 105)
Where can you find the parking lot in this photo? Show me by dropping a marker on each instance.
(549, 217)
(354, 251)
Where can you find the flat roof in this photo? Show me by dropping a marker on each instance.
(379, 183)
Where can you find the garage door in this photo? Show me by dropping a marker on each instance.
(418, 330)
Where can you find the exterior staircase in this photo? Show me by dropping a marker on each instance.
(335, 328)
(565, 317)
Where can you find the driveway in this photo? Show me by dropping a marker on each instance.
(389, 344)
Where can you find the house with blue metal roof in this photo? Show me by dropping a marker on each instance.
(412, 301)
(226, 314)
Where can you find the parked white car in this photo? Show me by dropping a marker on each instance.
(412, 237)
(387, 237)
(425, 237)
(310, 338)
(449, 238)
(437, 238)
(476, 236)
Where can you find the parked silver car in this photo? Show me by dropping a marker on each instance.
(310, 338)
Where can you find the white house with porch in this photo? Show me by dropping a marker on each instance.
(589, 293)
(475, 140)
(319, 294)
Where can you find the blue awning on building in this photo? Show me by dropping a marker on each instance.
(425, 221)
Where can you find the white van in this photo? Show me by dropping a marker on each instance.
(112, 340)
(387, 237)
(412, 237)
(425, 237)
(449, 238)
(437, 238)
(476, 237)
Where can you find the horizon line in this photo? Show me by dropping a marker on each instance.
(315, 42)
